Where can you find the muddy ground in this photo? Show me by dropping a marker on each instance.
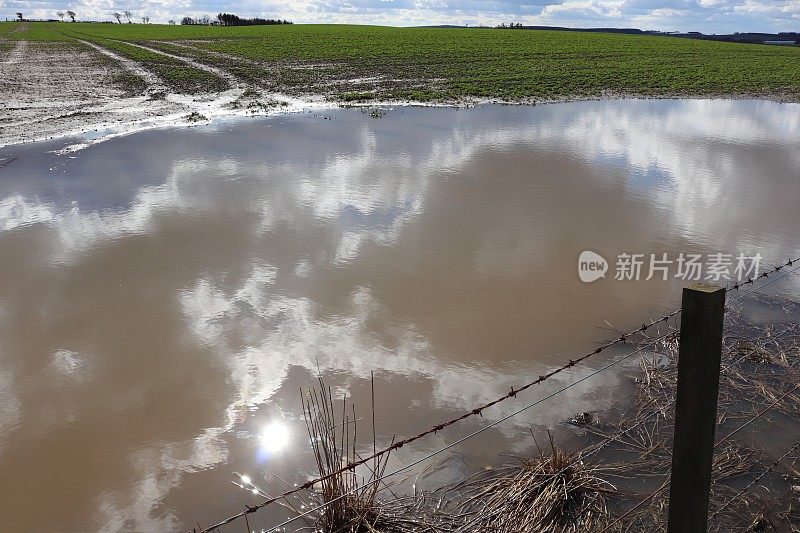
(51, 89)
(59, 89)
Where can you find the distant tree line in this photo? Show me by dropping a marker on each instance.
(205, 20)
(229, 19)
(748, 38)
(738, 37)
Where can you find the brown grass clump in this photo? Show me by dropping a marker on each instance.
(548, 493)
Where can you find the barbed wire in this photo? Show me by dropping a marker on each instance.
(728, 436)
(771, 467)
(485, 428)
(666, 482)
(598, 447)
(478, 411)
(435, 429)
(765, 274)
(594, 449)
(755, 481)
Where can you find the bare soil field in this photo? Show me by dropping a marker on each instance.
(59, 88)
(51, 89)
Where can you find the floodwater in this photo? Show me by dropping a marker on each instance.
(164, 296)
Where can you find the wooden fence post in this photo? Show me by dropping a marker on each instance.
(703, 310)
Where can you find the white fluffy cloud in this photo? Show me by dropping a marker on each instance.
(709, 16)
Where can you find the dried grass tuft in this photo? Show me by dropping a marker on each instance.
(548, 493)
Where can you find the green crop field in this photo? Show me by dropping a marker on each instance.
(175, 74)
(30, 31)
(6, 27)
(366, 62)
(5, 45)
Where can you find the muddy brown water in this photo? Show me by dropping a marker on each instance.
(164, 296)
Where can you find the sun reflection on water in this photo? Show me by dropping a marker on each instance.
(274, 437)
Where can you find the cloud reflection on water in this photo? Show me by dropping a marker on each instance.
(314, 250)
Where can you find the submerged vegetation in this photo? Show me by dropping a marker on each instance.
(615, 483)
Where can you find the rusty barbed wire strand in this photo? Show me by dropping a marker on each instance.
(581, 456)
(777, 268)
(478, 411)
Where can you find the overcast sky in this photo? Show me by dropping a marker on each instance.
(708, 16)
